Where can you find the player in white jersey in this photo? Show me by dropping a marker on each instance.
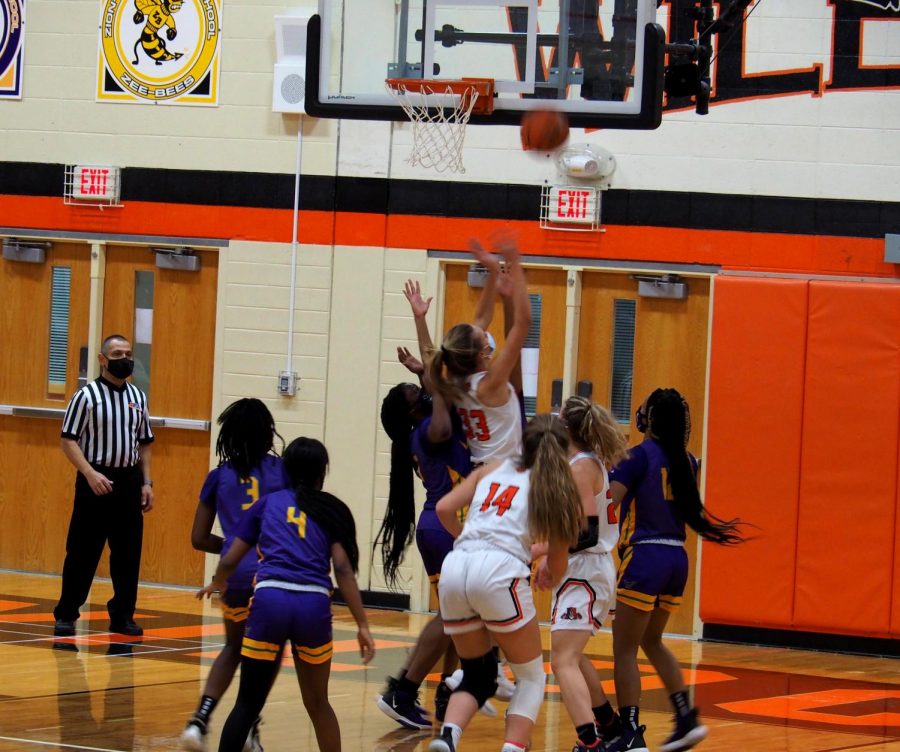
(485, 590)
(583, 598)
(475, 378)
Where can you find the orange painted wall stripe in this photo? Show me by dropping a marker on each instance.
(729, 249)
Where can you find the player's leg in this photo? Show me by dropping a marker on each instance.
(265, 632)
(234, 617)
(311, 635)
(688, 730)
(473, 645)
(313, 679)
(567, 648)
(602, 578)
(507, 607)
(257, 676)
(524, 654)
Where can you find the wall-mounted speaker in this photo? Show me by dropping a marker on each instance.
(289, 80)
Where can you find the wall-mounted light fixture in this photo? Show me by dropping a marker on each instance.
(181, 259)
(669, 286)
(29, 251)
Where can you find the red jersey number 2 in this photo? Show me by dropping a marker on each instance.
(502, 500)
(475, 424)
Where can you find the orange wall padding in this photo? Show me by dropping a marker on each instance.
(848, 488)
(895, 600)
(753, 447)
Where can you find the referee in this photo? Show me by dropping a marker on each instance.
(106, 435)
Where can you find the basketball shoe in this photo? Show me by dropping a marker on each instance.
(688, 733)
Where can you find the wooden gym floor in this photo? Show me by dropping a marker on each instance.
(100, 692)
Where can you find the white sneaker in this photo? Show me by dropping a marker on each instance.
(193, 738)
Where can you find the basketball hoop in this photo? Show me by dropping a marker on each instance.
(439, 111)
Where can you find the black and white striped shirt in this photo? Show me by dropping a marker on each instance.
(108, 422)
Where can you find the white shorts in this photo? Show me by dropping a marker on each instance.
(489, 588)
(586, 593)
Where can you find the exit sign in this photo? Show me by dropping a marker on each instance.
(570, 207)
(98, 183)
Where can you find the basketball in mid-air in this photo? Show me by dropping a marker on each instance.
(544, 130)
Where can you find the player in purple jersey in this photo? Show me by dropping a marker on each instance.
(300, 533)
(247, 470)
(426, 437)
(657, 489)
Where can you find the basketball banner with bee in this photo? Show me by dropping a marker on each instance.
(12, 26)
(160, 51)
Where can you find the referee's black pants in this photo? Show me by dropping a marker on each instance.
(115, 518)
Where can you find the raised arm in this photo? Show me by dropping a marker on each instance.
(419, 305)
(492, 389)
(484, 309)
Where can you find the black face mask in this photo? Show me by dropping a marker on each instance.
(121, 368)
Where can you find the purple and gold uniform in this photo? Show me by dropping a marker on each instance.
(653, 568)
(440, 466)
(229, 495)
(292, 599)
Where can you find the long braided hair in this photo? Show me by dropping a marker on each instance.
(399, 523)
(246, 435)
(668, 420)
(306, 462)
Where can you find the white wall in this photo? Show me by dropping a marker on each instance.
(838, 145)
(350, 318)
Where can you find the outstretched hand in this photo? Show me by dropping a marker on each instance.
(504, 242)
(488, 260)
(413, 292)
(410, 361)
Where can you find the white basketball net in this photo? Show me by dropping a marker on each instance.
(439, 118)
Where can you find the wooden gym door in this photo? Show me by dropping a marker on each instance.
(43, 328)
(170, 316)
(665, 341)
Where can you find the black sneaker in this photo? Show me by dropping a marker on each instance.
(404, 709)
(441, 700)
(579, 747)
(630, 740)
(64, 628)
(612, 729)
(688, 733)
(442, 743)
(128, 627)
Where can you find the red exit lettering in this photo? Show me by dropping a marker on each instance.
(572, 204)
(94, 181)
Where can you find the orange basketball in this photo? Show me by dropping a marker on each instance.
(544, 130)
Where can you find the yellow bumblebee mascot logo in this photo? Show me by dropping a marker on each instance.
(159, 51)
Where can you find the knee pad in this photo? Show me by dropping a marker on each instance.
(479, 677)
(529, 695)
